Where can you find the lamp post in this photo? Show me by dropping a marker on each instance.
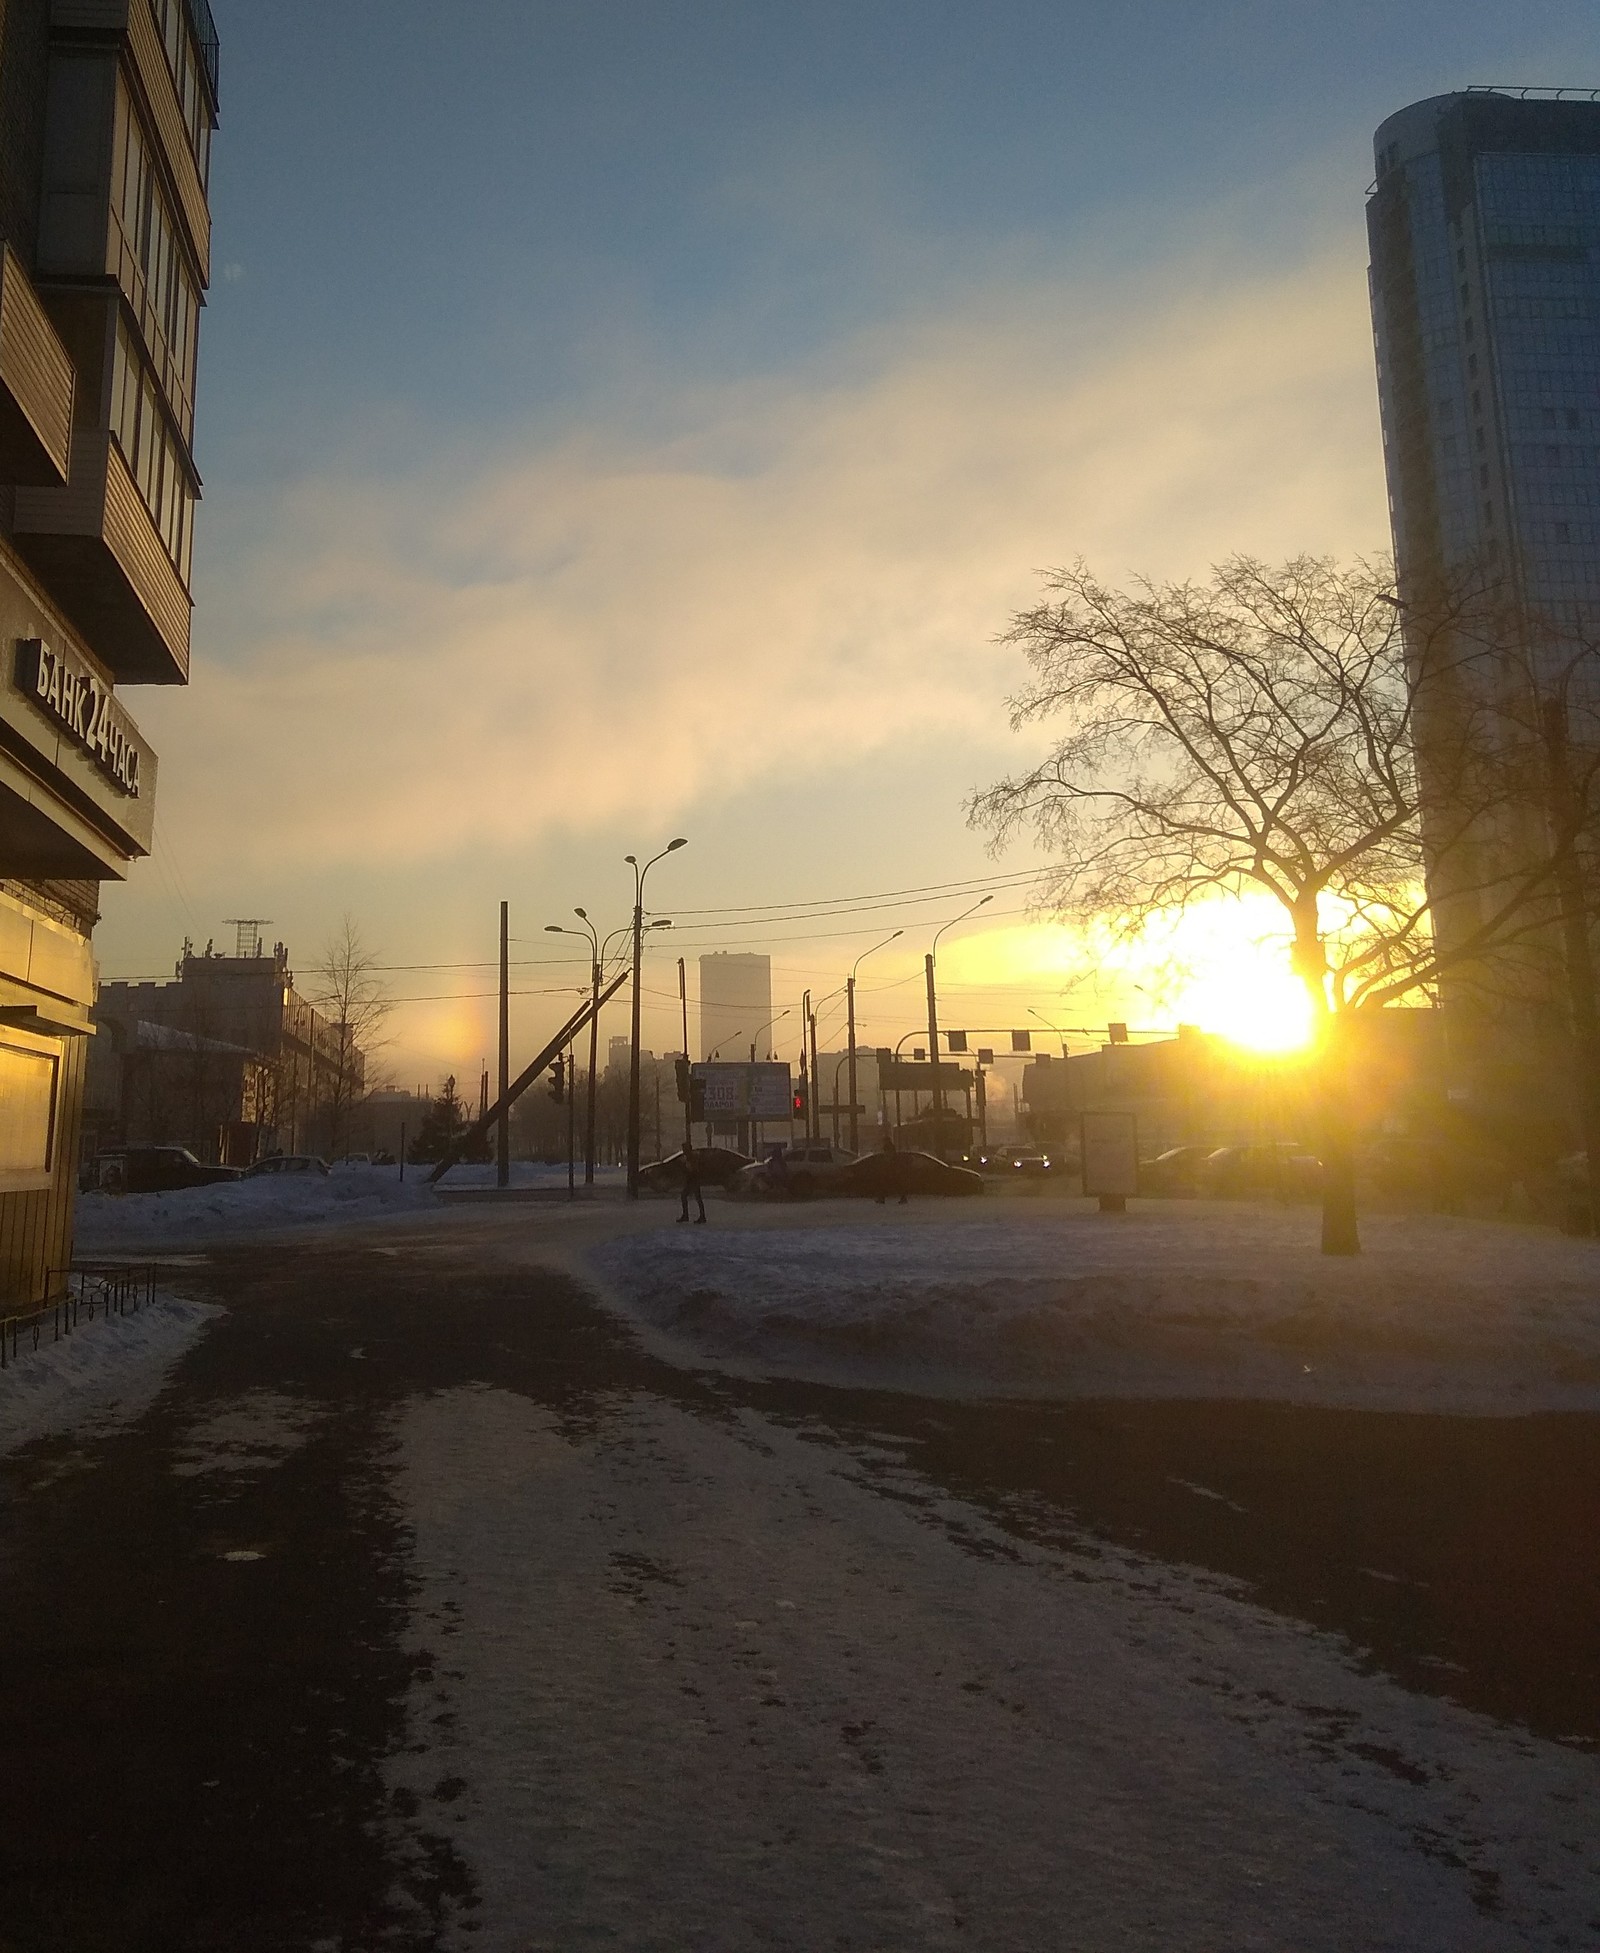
(782, 1014)
(597, 961)
(850, 1014)
(1061, 1034)
(805, 1070)
(933, 1022)
(638, 959)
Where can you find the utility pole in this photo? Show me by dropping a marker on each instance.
(850, 1015)
(503, 1152)
(683, 1005)
(572, 1126)
(933, 1022)
(806, 1081)
(594, 1059)
(638, 961)
(633, 1049)
(850, 1020)
(814, 1098)
(933, 1059)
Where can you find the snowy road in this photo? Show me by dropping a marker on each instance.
(428, 1608)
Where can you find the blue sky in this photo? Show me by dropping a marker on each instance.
(623, 420)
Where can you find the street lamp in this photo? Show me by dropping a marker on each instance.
(933, 1022)
(1054, 1027)
(850, 1012)
(638, 958)
(598, 956)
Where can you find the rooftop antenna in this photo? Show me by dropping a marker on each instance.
(247, 933)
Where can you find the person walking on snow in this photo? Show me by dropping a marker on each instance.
(691, 1185)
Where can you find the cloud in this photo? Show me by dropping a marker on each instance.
(488, 650)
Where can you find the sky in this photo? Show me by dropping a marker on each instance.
(624, 421)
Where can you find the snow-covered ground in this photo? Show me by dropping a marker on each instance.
(107, 1373)
(124, 1223)
(1179, 1299)
(696, 1683)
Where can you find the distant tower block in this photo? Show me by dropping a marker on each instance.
(247, 933)
(735, 1005)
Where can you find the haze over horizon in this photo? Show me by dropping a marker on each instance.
(622, 421)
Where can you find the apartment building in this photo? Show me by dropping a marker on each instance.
(107, 109)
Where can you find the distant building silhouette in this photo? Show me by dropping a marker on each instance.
(735, 1005)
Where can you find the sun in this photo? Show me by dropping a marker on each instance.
(1223, 965)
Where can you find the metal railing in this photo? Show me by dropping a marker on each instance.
(119, 1288)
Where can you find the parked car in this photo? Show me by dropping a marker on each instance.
(717, 1166)
(286, 1163)
(1175, 1172)
(804, 1167)
(150, 1169)
(1281, 1169)
(880, 1175)
(357, 1159)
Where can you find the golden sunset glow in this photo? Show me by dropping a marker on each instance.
(1223, 966)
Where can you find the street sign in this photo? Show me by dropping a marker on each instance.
(732, 1091)
(917, 1075)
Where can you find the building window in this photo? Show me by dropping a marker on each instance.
(166, 292)
(191, 72)
(152, 451)
(29, 1071)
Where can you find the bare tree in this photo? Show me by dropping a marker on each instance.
(346, 985)
(1262, 732)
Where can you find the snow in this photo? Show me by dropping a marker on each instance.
(695, 1682)
(1172, 1299)
(105, 1375)
(271, 1202)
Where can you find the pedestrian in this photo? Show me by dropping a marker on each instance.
(891, 1176)
(691, 1185)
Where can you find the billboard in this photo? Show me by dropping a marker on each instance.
(760, 1091)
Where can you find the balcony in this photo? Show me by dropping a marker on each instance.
(36, 383)
(96, 550)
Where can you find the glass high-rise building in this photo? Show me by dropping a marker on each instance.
(1484, 225)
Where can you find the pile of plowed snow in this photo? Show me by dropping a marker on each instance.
(1178, 1300)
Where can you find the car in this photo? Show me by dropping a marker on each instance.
(1282, 1169)
(150, 1169)
(802, 1168)
(357, 1159)
(880, 1176)
(286, 1163)
(1174, 1172)
(716, 1166)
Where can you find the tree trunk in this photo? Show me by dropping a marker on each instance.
(1340, 1232)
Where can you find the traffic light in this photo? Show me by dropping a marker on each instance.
(558, 1080)
(685, 1079)
(800, 1099)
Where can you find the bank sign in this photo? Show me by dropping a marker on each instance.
(66, 691)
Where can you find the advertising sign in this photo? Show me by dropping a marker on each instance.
(760, 1091)
(1110, 1156)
